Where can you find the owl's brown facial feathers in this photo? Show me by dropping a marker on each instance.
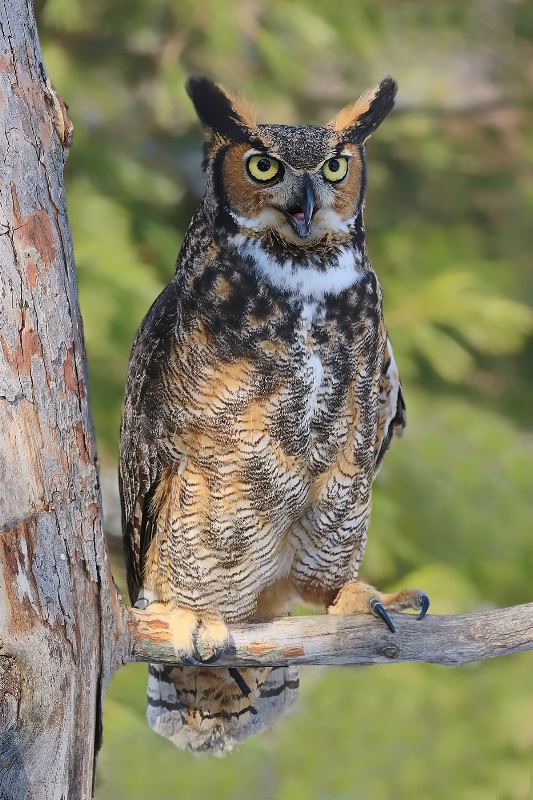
(301, 205)
(282, 180)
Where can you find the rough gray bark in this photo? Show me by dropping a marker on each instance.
(55, 593)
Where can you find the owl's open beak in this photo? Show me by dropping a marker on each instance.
(301, 213)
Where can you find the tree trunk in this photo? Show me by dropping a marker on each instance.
(55, 593)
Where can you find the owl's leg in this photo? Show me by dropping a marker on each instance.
(276, 600)
(360, 598)
(197, 638)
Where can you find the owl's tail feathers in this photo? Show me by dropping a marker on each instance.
(211, 710)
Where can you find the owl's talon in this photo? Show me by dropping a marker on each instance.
(206, 653)
(424, 605)
(210, 660)
(378, 609)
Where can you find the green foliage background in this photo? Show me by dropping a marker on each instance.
(448, 218)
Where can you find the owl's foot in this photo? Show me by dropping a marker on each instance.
(360, 598)
(210, 639)
(195, 638)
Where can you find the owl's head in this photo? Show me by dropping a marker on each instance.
(303, 183)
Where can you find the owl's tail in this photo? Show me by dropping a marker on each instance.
(211, 710)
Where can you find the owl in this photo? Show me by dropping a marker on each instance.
(261, 399)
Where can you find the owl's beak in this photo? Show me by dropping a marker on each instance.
(300, 214)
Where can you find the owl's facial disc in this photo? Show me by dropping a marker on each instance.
(300, 212)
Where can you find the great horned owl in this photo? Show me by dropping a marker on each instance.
(261, 399)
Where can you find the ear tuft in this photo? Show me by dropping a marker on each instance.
(359, 120)
(222, 112)
(245, 110)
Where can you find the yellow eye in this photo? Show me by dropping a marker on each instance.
(263, 168)
(335, 169)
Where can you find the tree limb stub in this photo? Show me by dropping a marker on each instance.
(348, 639)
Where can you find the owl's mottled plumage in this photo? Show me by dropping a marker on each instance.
(262, 396)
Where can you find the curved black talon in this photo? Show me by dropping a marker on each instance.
(239, 680)
(424, 603)
(378, 609)
(218, 651)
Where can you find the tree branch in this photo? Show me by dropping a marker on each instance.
(346, 639)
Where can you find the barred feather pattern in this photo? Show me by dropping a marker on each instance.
(211, 711)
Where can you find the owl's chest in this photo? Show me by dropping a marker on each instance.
(309, 356)
(300, 372)
(329, 391)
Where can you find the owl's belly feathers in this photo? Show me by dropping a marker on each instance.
(257, 444)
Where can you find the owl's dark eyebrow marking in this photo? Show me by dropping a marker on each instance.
(260, 150)
(339, 150)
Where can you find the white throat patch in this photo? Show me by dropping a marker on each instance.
(307, 282)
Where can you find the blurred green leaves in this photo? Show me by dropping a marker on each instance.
(451, 317)
(115, 287)
(456, 493)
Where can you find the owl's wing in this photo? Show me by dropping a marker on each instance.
(140, 432)
(391, 407)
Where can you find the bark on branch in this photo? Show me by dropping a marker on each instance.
(347, 639)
